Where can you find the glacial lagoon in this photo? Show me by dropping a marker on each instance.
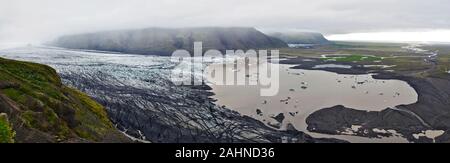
(302, 92)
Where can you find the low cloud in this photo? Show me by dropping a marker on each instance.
(35, 21)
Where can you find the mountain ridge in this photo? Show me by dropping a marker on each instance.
(301, 37)
(164, 41)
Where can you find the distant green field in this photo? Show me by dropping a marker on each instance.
(371, 53)
(352, 48)
(370, 46)
(352, 58)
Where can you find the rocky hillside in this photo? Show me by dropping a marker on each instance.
(163, 41)
(36, 107)
(301, 38)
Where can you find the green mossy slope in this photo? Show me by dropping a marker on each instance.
(41, 109)
(6, 131)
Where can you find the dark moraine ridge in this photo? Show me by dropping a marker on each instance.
(164, 41)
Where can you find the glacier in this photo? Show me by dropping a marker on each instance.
(142, 101)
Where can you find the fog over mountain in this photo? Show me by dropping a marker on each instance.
(300, 37)
(36, 21)
(164, 41)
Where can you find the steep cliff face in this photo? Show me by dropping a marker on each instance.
(163, 41)
(301, 38)
(36, 107)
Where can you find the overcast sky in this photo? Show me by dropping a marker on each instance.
(37, 20)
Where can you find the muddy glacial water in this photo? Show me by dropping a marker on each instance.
(302, 92)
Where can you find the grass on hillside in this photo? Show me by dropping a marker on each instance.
(48, 105)
(6, 131)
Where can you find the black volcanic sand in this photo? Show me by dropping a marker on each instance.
(431, 112)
